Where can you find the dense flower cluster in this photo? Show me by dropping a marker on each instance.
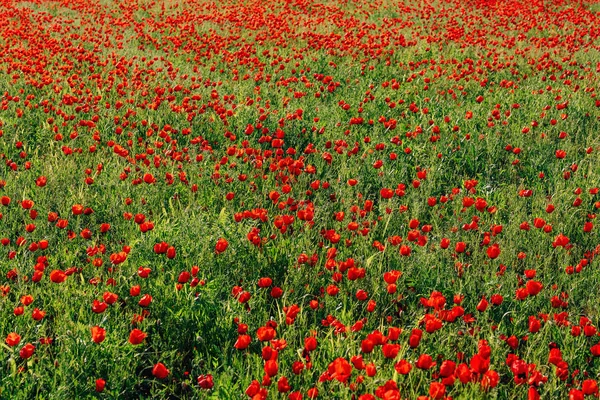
(304, 199)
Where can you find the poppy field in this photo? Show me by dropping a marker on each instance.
(299, 199)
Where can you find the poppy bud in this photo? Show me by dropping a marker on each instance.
(100, 384)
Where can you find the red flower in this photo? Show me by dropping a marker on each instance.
(149, 178)
(532, 394)
(110, 298)
(265, 282)
(310, 343)
(136, 336)
(27, 351)
(575, 394)
(482, 305)
(425, 362)
(58, 276)
(135, 291)
(206, 381)
(98, 334)
(13, 339)
(145, 300)
(479, 364)
(534, 325)
(340, 369)
(118, 258)
(447, 368)
(463, 373)
(415, 338)
(390, 350)
(534, 287)
(403, 367)
(221, 246)
(265, 333)
(371, 370)
(271, 368)
(99, 307)
(386, 193)
(276, 292)
(38, 314)
(242, 342)
(490, 379)
(100, 384)
(497, 299)
(283, 385)
(493, 251)
(522, 293)
(437, 390)
(160, 371)
(171, 252)
(589, 386)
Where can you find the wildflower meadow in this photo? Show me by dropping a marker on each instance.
(299, 199)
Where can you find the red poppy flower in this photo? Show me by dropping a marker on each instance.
(27, 351)
(205, 381)
(145, 300)
(271, 368)
(160, 371)
(99, 307)
(13, 339)
(171, 252)
(425, 361)
(136, 336)
(437, 390)
(589, 387)
(490, 379)
(493, 251)
(38, 314)
(98, 334)
(371, 370)
(534, 287)
(221, 245)
(265, 333)
(390, 350)
(242, 342)
(100, 385)
(340, 369)
(310, 343)
(403, 367)
(386, 193)
(58, 276)
(283, 385)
